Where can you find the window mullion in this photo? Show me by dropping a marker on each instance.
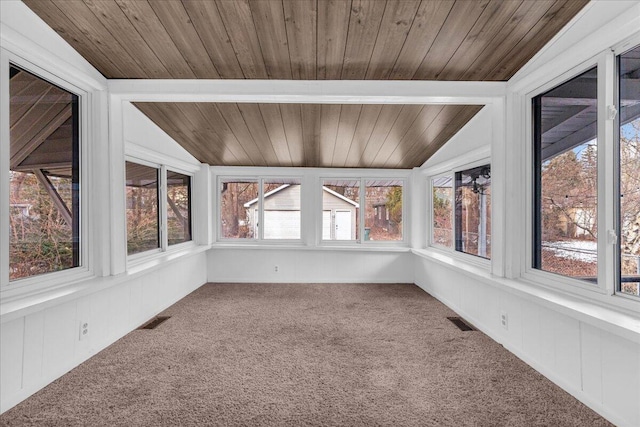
(162, 205)
(606, 175)
(260, 209)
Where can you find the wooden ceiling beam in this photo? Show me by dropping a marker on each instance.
(309, 91)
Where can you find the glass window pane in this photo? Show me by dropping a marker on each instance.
(340, 209)
(383, 210)
(566, 160)
(44, 177)
(281, 209)
(143, 232)
(178, 207)
(442, 211)
(238, 206)
(629, 66)
(473, 211)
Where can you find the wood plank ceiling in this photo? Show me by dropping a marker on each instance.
(485, 40)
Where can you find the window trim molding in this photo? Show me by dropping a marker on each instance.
(87, 109)
(133, 258)
(191, 210)
(450, 169)
(541, 277)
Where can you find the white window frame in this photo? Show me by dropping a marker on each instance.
(260, 181)
(480, 158)
(191, 240)
(615, 259)
(430, 187)
(161, 211)
(545, 278)
(155, 161)
(38, 283)
(362, 179)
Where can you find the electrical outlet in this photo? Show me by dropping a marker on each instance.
(84, 330)
(276, 269)
(504, 319)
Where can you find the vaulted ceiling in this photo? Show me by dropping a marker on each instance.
(484, 40)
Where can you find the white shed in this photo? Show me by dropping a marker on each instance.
(282, 214)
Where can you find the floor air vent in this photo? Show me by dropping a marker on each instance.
(461, 324)
(155, 322)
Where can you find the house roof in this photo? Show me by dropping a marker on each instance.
(455, 40)
(282, 187)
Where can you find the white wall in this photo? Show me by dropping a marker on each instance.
(257, 265)
(586, 346)
(597, 365)
(40, 329)
(39, 343)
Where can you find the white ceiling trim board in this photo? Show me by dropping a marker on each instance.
(309, 91)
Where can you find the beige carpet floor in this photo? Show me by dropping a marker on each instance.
(304, 354)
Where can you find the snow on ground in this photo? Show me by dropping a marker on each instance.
(579, 250)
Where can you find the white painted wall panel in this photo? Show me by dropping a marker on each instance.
(33, 349)
(39, 347)
(11, 350)
(599, 368)
(303, 266)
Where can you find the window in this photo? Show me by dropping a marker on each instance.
(235, 221)
(473, 211)
(565, 178)
(442, 211)
(281, 209)
(341, 209)
(242, 215)
(44, 201)
(178, 207)
(143, 230)
(385, 197)
(629, 177)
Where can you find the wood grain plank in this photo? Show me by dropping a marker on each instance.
(275, 131)
(426, 25)
(172, 122)
(57, 20)
(394, 29)
(388, 116)
(256, 125)
(333, 26)
(329, 121)
(112, 17)
(414, 134)
(144, 19)
(260, 156)
(540, 34)
(311, 117)
(406, 120)
(366, 124)
(300, 19)
(456, 28)
(218, 132)
(508, 36)
(268, 18)
(208, 23)
(482, 36)
(176, 21)
(237, 19)
(364, 24)
(83, 19)
(449, 121)
(349, 117)
(292, 121)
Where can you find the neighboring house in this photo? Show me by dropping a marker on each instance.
(282, 214)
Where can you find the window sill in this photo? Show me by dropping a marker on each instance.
(301, 246)
(21, 305)
(619, 317)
